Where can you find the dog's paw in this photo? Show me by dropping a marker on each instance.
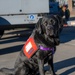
(1, 73)
(6, 71)
(47, 73)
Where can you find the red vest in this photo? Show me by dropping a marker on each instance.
(30, 47)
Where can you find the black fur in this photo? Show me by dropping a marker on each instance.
(46, 33)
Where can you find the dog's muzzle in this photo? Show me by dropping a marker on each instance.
(50, 30)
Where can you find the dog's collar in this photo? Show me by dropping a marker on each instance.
(46, 48)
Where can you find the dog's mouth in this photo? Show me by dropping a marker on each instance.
(51, 31)
(51, 34)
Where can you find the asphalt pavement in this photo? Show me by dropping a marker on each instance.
(64, 58)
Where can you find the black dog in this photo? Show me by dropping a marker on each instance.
(39, 48)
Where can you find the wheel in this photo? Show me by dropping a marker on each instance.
(1, 33)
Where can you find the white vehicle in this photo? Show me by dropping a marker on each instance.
(21, 13)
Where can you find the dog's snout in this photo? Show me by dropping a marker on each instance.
(49, 27)
(50, 30)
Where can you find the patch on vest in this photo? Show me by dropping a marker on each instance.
(30, 47)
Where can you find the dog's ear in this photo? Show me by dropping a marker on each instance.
(38, 26)
(56, 41)
(60, 22)
(52, 21)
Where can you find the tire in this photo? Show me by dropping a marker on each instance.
(1, 33)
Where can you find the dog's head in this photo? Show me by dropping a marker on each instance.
(50, 26)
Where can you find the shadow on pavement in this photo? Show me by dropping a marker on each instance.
(68, 71)
(24, 34)
(14, 48)
(64, 64)
(67, 34)
(14, 39)
(11, 49)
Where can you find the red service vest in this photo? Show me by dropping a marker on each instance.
(30, 47)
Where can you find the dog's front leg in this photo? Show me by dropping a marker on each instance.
(41, 66)
(50, 63)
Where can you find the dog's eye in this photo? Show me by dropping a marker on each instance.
(45, 23)
(52, 21)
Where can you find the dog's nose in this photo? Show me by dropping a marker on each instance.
(51, 30)
(49, 27)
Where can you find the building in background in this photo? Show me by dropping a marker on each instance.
(70, 3)
(62, 2)
(71, 6)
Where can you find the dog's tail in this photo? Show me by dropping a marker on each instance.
(6, 71)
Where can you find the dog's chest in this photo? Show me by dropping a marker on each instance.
(44, 54)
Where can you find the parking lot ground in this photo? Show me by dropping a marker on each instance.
(64, 58)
